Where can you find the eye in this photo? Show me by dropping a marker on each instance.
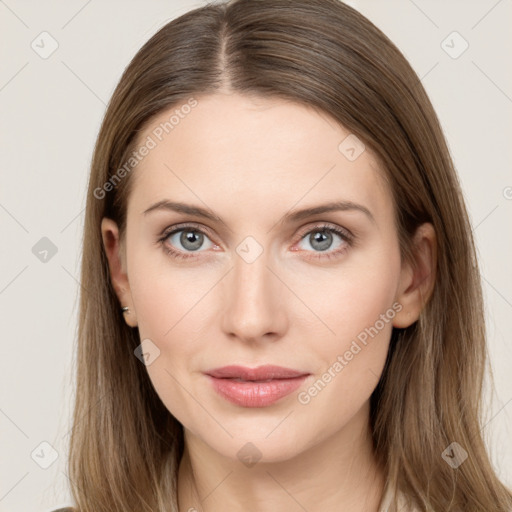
(185, 241)
(187, 238)
(322, 237)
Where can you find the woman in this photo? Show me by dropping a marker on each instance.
(282, 305)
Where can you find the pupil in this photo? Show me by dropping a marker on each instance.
(324, 240)
(187, 240)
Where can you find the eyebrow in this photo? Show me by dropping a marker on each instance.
(291, 216)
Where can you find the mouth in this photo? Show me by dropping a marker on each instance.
(261, 373)
(255, 387)
(244, 380)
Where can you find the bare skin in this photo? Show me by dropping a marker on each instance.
(250, 161)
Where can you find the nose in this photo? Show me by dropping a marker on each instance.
(254, 299)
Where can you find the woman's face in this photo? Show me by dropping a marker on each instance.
(261, 284)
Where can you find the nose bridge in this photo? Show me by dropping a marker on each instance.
(253, 306)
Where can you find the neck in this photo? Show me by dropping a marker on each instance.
(339, 473)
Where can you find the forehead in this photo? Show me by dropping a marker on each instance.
(253, 153)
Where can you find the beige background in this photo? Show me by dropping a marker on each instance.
(51, 109)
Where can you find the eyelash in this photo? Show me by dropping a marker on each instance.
(345, 235)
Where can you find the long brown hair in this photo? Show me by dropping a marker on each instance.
(125, 446)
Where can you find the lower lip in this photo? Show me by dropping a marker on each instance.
(255, 394)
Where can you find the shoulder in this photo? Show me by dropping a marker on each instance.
(67, 509)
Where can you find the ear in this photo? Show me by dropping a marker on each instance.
(116, 256)
(417, 279)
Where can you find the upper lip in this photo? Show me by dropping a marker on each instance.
(260, 373)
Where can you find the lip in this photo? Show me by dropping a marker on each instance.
(255, 387)
(264, 372)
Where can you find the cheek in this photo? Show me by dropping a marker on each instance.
(351, 298)
(165, 295)
(168, 303)
(350, 361)
(171, 305)
(363, 305)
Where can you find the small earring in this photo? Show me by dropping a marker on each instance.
(125, 309)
